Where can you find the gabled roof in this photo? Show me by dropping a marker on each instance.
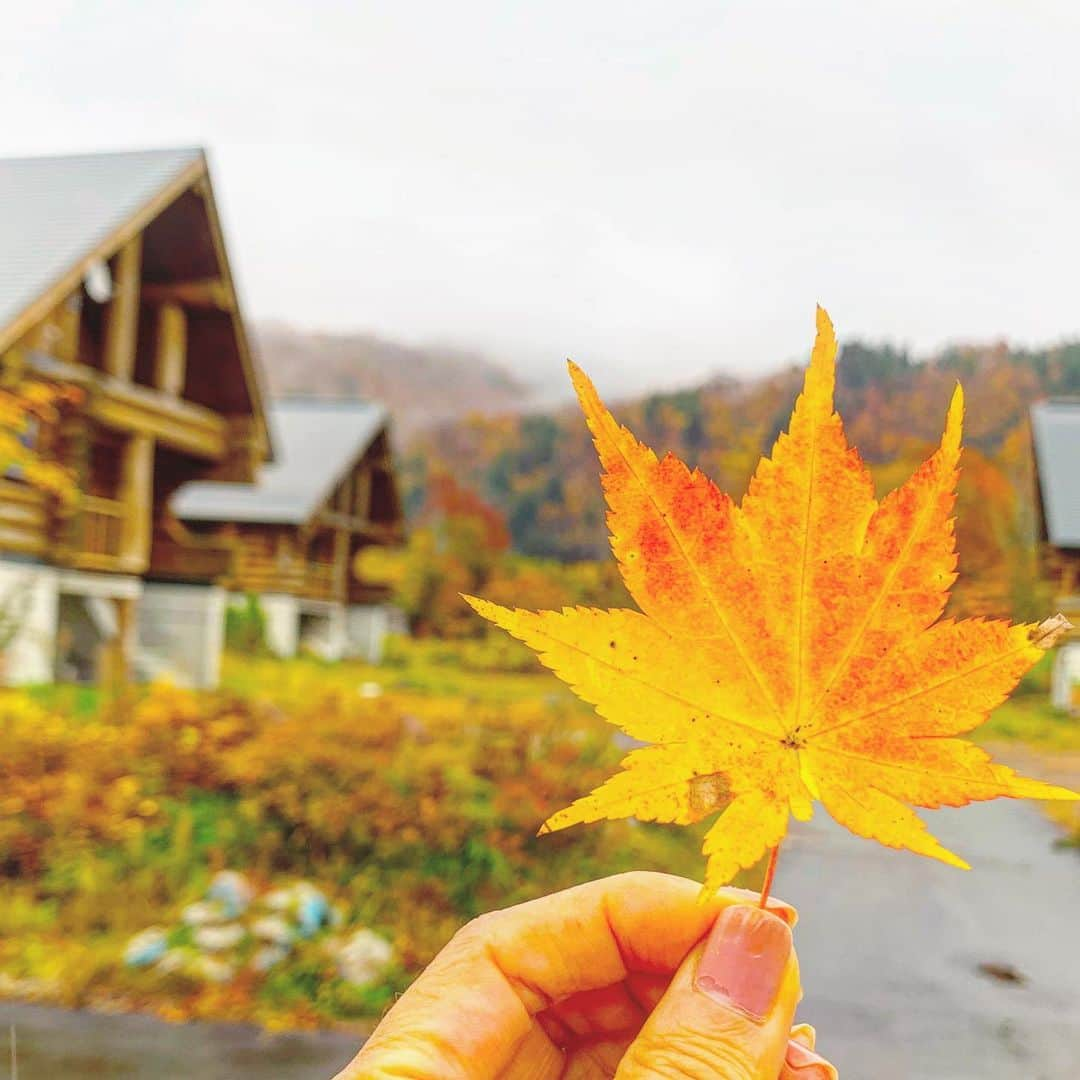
(1056, 428)
(59, 215)
(317, 443)
(57, 212)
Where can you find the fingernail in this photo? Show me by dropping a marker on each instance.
(744, 960)
(808, 1065)
(751, 897)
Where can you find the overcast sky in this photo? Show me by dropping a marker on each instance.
(660, 190)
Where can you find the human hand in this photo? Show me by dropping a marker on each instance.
(626, 977)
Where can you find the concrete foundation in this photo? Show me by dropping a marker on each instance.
(55, 624)
(181, 630)
(29, 608)
(329, 630)
(366, 627)
(282, 613)
(1065, 679)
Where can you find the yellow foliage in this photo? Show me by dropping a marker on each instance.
(789, 649)
(29, 408)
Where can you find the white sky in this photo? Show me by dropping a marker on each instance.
(660, 189)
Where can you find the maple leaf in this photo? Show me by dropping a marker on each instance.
(789, 649)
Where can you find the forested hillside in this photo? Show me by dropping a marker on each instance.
(540, 471)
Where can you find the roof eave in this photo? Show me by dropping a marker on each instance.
(252, 373)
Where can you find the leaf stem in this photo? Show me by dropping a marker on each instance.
(770, 873)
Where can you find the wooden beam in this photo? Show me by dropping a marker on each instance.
(68, 318)
(387, 534)
(115, 661)
(122, 321)
(181, 425)
(341, 564)
(343, 498)
(70, 281)
(58, 332)
(137, 494)
(208, 293)
(251, 370)
(170, 358)
(362, 502)
(23, 518)
(129, 407)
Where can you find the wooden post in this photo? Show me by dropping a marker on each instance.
(70, 313)
(362, 503)
(344, 497)
(137, 495)
(170, 358)
(123, 316)
(341, 564)
(117, 654)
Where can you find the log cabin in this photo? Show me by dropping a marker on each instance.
(297, 531)
(114, 278)
(1055, 426)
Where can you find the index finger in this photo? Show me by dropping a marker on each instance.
(465, 1016)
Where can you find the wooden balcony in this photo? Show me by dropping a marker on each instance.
(24, 519)
(363, 592)
(95, 535)
(267, 574)
(127, 407)
(89, 536)
(198, 563)
(320, 582)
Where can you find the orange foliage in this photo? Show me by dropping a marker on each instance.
(790, 649)
(455, 505)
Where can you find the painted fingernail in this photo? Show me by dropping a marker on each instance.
(808, 1065)
(744, 960)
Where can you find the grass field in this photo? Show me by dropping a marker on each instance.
(410, 793)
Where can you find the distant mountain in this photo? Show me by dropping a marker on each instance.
(420, 385)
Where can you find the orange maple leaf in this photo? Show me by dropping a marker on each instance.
(788, 649)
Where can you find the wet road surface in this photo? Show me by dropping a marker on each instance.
(54, 1044)
(890, 944)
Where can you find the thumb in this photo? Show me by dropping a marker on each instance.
(728, 1010)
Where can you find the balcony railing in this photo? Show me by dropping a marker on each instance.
(311, 579)
(23, 518)
(320, 581)
(98, 528)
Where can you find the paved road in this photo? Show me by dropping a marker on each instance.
(54, 1044)
(890, 946)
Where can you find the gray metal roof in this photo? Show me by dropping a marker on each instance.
(1056, 427)
(316, 443)
(54, 211)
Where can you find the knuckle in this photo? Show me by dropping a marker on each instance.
(475, 932)
(409, 1055)
(630, 880)
(685, 1055)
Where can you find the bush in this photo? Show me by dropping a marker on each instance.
(245, 626)
(415, 809)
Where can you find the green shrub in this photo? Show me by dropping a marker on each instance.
(245, 627)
